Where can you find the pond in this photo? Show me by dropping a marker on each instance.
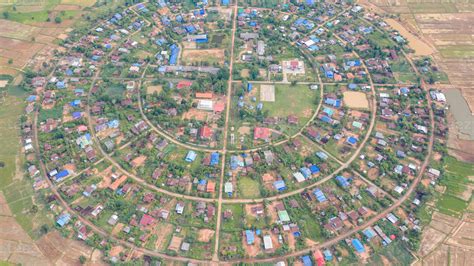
(462, 114)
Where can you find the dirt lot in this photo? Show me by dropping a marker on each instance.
(196, 114)
(420, 47)
(356, 99)
(163, 230)
(63, 251)
(205, 235)
(154, 89)
(205, 55)
(175, 243)
(252, 250)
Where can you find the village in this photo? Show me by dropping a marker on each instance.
(215, 131)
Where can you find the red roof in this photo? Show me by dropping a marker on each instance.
(219, 107)
(146, 220)
(211, 186)
(184, 83)
(294, 64)
(82, 128)
(261, 133)
(318, 257)
(205, 132)
(204, 95)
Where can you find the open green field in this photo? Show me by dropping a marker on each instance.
(16, 188)
(10, 110)
(431, 7)
(396, 253)
(248, 188)
(298, 100)
(32, 11)
(261, 3)
(457, 51)
(457, 195)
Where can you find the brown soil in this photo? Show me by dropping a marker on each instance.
(205, 235)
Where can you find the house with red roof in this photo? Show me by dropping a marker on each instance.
(204, 95)
(146, 220)
(205, 132)
(261, 133)
(184, 84)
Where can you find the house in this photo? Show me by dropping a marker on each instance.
(146, 220)
(249, 235)
(179, 207)
(318, 257)
(283, 216)
(113, 220)
(117, 183)
(358, 245)
(306, 260)
(205, 133)
(267, 242)
(327, 255)
(279, 185)
(228, 188)
(299, 177)
(261, 133)
(191, 156)
(63, 219)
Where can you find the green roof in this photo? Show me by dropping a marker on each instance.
(283, 215)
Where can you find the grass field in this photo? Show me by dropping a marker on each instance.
(9, 139)
(298, 100)
(456, 179)
(396, 253)
(457, 51)
(16, 188)
(248, 188)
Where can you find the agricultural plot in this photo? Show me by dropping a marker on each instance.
(146, 143)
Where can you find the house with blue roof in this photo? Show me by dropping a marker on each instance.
(214, 158)
(358, 245)
(314, 169)
(191, 156)
(352, 86)
(351, 140)
(342, 181)
(63, 219)
(333, 102)
(76, 115)
(173, 60)
(249, 235)
(31, 98)
(279, 185)
(62, 174)
(60, 84)
(319, 195)
(113, 123)
(307, 260)
(305, 172)
(75, 103)
(322, 155)
(369, 233)
(327, 255)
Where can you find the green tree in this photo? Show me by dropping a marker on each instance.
(58, 20)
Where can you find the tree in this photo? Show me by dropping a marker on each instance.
(6, 15)
(58, 20)
(82, 259)
(10, 61)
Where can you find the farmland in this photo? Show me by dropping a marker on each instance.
(249, 132)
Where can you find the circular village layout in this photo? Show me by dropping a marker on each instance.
(217, 133)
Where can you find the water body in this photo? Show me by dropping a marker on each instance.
(462, 114)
